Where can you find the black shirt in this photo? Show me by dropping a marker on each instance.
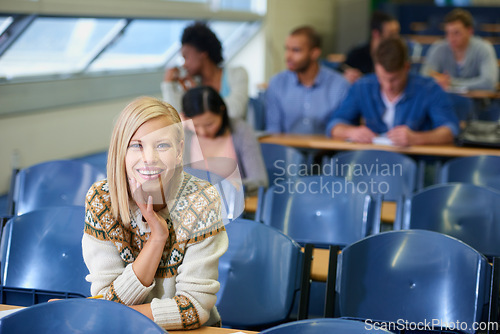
(360, 58)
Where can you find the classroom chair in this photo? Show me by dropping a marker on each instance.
(53, 183)
(392, 174)
(464, 211)
(99, 160)
(321, 210)
(84, 316)
(322, 326)
(481, 170)
(256, 115)
(232, 194)
(41, 256)
(416, 276)
(282, 162)
(260, 275)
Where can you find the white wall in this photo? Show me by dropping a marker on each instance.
(55, 134)
(252, 58)
(285, 15)
(353, 20)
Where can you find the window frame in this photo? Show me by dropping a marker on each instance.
(52, 91)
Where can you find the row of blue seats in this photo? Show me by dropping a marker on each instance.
(66, 182)
(403, 173)
(385, 277)
(465, 211)
(263, 270)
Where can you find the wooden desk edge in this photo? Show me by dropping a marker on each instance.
(326, 143)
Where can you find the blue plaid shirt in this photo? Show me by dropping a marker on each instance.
(294, 108)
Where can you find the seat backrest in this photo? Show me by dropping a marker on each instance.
(231, 193)
(465, 211)
(54, 183)
(322, 326)
(89, 316)
(256, 115)
(282, 162)
(321, 210)
(383, 172)
(99, 160)
(483, 170)
(259, 275)
(42, 250)
(414, 275)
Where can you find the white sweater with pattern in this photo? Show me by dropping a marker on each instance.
(182, 295)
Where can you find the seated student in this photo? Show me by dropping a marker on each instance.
(202, 52)
(359, 59)
(463, 61)
(148, 243)
(302, 98)
(220, 136)
(408, 109)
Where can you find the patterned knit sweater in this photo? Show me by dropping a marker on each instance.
(182, 295)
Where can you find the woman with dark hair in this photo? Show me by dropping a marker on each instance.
(219, 136)
(202, 52)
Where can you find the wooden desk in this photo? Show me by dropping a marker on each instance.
(388, 214)
(336, 57)
(202, 330)
(430, 39)
(319, 265)
(325, 143)
(251, 204)
(482, 94)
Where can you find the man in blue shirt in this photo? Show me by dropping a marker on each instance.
(302, 98)
(407, 109)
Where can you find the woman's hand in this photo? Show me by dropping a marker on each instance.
(158, 225)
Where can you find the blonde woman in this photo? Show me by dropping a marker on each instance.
(154, 234)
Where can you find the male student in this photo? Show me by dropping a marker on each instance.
(359, 59)
(462, 61)
(303, 97)
(408, 109)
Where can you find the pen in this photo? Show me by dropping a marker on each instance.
(95, 297)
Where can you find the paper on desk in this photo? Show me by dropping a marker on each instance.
(382, 140)
(7, 312)
(457, 90)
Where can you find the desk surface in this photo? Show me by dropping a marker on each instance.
(325, 143)
(202, 330)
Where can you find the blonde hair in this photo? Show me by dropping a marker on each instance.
(135, 114)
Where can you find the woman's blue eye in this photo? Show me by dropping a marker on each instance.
(135, 145)
(164, 146)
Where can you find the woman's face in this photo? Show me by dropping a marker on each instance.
(153, 154)
(193, 59)
(207, 124)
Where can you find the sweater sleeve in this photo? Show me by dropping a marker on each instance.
(109, 275)
(432, 59)
(250, 157)
(237, 100)
(486, 61)
(196, 286)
